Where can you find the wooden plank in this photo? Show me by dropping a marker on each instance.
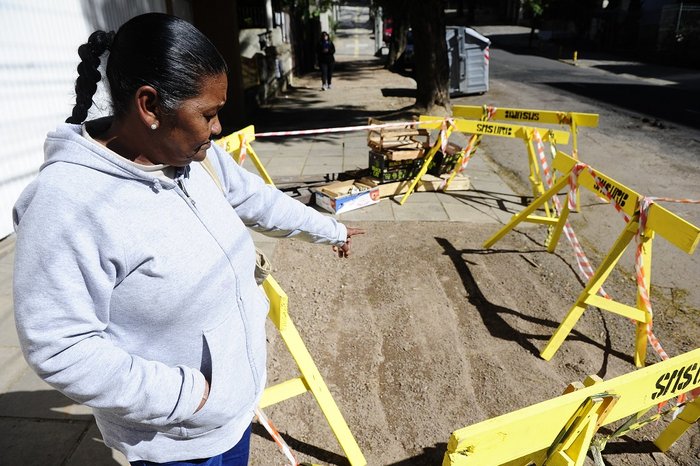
(510, 436)
(496, 129)
(528, 115)
(428, 183)
(682, 234)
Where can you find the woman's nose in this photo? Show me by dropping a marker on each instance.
(216, 126)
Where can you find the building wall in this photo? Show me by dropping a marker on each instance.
(38, 60)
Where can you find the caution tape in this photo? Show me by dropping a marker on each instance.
(244, 151)
(474, 141)
(582, 261)
(343, 129)
(270, 428)
(644, 205)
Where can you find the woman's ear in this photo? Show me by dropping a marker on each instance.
(146, 101)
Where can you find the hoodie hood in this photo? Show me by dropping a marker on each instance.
(66, 144)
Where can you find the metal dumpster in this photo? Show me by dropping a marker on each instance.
(468, 58)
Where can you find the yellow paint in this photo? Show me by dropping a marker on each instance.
(689, 416)
(674, 229)
(530, 116)
(536, 117)
(426, 163)
(233, 143)
(484, 128)
(310, 379)
(559, 430)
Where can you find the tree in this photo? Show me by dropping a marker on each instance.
(431, 69)
(397, 10)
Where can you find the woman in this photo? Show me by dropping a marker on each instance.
(134, 275)
(326, 59)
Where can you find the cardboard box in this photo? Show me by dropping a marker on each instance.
(398, 143)
(387, 170)
(344, 196)
(445, 163)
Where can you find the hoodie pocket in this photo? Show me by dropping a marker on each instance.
(233, 386)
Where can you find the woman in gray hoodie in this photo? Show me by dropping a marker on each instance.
(134, 276)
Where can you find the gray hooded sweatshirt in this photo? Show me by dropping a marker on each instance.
(130, 291)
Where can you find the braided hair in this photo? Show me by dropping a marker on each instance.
(88, 73)
(153, 49)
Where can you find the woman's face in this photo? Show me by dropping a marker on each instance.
(187, 132)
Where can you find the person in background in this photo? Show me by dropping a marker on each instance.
(134, 278)
(326, 60)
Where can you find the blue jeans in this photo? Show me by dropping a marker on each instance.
(236, 456)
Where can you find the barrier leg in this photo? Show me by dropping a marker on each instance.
(555, 233)
(571, 447)
(640, 352)
(524, 215)
(574, 153)
(588, 295)
(689, 416)
(426, 163)
(310, 380)
(535, 177)
(258, 165)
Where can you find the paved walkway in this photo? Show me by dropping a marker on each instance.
(40, 426)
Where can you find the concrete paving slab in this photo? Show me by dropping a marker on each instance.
(419, 212)
(39, 442)
(93, 451)
(13, 366)
(383, 211)
(8, 333)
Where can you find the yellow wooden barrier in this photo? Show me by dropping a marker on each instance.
(447, 130)
(234, 142)
(525, 133)
(310, 379)
(552, 117)
(536, 117)
(559, 431)
(685, 236)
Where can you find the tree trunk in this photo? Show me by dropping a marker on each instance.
(397, 44)
(430, 47)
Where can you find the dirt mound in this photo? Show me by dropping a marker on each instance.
(423, 332)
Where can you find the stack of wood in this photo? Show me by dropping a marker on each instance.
(398, 143)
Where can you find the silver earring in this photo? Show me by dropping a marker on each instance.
(154, 126)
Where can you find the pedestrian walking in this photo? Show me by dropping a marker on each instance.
(326, 60)
(134, 278)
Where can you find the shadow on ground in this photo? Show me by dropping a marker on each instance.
(34, 429)
(669, 103)
(492, 314)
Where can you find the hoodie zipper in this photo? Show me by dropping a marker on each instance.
(181, 184)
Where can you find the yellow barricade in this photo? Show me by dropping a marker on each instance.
(661, 221)
(536, 117)
(445, 131)
(238, 145)
(310, 379)
(552, 117)
(559, 431)
(509, 131)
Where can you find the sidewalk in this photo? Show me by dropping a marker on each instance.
(40, 426)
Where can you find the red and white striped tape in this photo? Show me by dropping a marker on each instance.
(582, 261)
(344, 129)
(584, 264)
(472, 144)
(244, 150)
(270, 427)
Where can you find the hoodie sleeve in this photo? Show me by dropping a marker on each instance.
(268, 210)
(66, 267)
